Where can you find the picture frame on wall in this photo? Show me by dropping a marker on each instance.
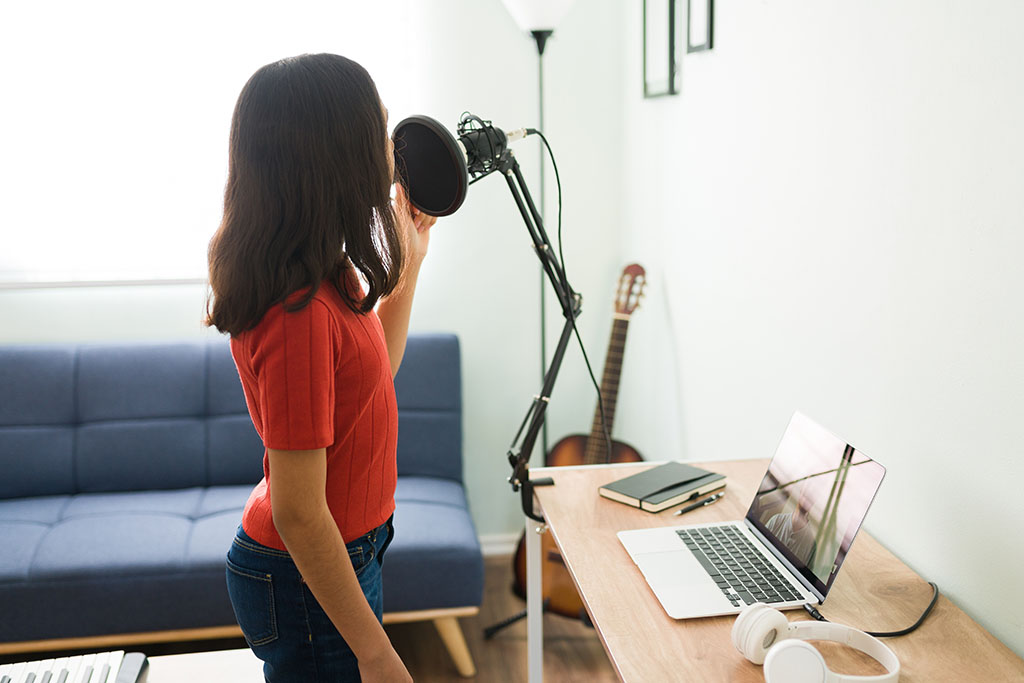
(662, 32)
(699, 25)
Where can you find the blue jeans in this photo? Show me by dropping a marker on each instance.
(282, 621)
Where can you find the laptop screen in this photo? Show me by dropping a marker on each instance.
(814, 498)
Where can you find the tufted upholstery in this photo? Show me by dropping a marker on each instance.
(125, 468)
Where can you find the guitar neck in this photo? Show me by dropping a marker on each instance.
(596, 446)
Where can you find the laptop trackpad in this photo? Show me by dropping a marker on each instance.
(681, 584)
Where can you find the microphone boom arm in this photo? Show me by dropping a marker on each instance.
(571, 303)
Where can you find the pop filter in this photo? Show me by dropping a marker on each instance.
(431, 165)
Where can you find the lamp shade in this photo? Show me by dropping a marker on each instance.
(538, 15)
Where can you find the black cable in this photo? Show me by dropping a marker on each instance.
(561, 260)
(889, 634)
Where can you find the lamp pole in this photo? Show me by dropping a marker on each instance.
(541, 37)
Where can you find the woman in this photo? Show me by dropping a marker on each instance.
(308, 219)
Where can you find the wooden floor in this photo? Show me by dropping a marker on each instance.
(572, 650)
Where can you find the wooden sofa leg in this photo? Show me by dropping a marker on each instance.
(455, 642)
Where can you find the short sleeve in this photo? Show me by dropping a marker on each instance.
(294, 361)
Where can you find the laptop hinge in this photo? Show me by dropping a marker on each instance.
(793, 571)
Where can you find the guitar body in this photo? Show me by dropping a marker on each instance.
(559, 589)
(560, 595)
(572, 449)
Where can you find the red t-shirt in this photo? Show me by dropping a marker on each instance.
(321, 378)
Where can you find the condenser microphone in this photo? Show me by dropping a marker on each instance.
(485, 145)
(434, 166)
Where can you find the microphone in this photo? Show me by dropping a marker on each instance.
(484, 144)
(435, 167)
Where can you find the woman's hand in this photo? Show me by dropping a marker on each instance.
(385, 667)
(414, 226)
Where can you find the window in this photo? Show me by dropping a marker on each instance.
(115, 119)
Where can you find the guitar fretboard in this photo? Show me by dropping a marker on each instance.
(596, 450)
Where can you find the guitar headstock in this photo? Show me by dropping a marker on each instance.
(630, 290)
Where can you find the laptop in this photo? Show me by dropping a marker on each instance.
(788, 548)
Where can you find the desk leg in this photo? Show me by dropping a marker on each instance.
(534, 605)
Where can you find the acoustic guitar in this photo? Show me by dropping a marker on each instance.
(560, 595)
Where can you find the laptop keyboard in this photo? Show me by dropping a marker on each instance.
(740, 571)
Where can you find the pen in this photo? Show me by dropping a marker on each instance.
(701, 503)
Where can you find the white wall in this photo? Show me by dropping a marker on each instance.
(835, 213)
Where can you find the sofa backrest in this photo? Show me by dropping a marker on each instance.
(123, 417)
(429, 390)
(144, 416)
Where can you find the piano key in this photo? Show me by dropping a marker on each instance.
(56, 668)
(115, 665)
(134, 667)
(104, 668)
(70, 670)
(85, 670)
(97, 665)
(15, 673)
(35, 673)
(45, 674)
(28, 674)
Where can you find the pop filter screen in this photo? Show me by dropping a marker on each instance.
(430, 165)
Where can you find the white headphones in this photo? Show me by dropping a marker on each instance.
(764, 635)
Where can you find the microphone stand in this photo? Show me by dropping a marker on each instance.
(571, 303)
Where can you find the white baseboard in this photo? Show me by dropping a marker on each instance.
(500, 544)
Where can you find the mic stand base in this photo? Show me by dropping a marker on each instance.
(490, 631)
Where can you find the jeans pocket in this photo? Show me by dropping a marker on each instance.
(360, 552)
(252, 597)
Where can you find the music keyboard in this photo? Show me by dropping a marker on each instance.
(99, 667)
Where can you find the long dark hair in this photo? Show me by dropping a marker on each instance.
(307, 195)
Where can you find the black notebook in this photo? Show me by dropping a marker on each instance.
(663, 486)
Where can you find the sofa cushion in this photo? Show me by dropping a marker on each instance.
(435, 560)
(116, 558)
(36, 461)
(123, 417)
(38, 385)
(117, 382)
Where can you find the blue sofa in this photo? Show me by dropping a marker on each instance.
(124, 469)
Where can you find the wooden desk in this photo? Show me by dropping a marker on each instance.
(874, 591)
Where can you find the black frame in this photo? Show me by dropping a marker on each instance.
(690, 47)
(671, 86)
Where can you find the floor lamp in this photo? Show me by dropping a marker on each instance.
(539, 18)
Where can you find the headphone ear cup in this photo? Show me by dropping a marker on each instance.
(741, 626)
(756, 629)
(795, 661)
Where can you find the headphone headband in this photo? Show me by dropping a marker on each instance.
(764, 635)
